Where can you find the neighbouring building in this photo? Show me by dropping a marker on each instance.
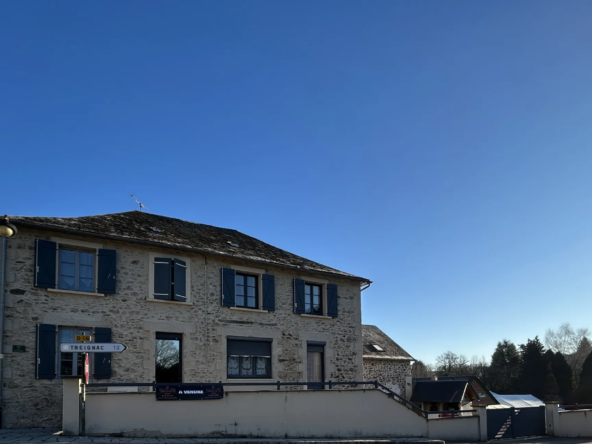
(385, 361)
(440, 396)
(484, 396)
(192, 303)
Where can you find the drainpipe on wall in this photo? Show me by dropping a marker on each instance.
(2, 293)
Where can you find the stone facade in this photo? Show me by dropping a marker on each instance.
(135, 319)
(388, 372)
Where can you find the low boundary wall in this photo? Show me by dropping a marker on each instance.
(569, 423)
(351, 414)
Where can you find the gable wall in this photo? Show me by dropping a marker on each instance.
(134, 320)
(389, 373)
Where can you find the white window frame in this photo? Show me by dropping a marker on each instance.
(187, 260)
(77, 245)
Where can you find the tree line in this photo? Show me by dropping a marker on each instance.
(558, 371)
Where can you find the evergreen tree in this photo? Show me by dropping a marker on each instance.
(584, 391)
(576, 360)
(564, 377)
(550, 389)
(504, 369)
(534, 368)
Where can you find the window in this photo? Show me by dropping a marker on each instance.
(246, 291)
(315, 298)
(71, 364)
(74, 266)
(169, 278)
(315, 353)
(52, 363)
(313, 302)
(168, 358)
(76, 270)
(248, 358)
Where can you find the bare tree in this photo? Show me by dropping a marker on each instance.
(479, 366)
(451, 364)
(572, 343)
(421, 370)
(167, 354)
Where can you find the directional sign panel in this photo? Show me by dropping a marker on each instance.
(92, 347)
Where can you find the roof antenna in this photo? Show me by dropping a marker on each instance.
(140, 203)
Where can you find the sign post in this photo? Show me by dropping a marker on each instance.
(86, 369)
(91, 347)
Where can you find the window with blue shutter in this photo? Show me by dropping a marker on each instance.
(179, 283)
(106, 271)
(332, 300)
(268, 292)
(163, 274)
(170, 279)
(46, 351)
(45, 263)
(228, 287)
(102, 361)
(73, 268)
(299, 305)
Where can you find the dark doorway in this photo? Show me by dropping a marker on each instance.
(168, 357)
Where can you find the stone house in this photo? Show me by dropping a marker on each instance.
(192, 303)
(385, 361)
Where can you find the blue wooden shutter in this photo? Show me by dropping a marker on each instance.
(102, 364)
(332, 300)
(106, 272)
(162, 278)
(180, 292)
(299, 296)
(46, 351)
(45, 263)
(228, 287)
(268, 292)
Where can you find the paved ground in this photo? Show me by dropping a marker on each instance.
(53, 435)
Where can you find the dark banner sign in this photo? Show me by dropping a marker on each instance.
(189, 392)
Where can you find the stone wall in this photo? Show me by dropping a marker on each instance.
(134, 320)
(390, 373)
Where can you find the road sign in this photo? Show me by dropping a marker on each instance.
(82, 338)
(91, 347)
(86, 369)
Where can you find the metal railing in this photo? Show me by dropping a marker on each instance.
(278, 385)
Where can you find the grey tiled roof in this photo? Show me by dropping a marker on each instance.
(438, 391)
(371, 334)
(152, 229)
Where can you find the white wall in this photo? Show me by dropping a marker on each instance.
(455, 429)
(272, 414)
(574, 424)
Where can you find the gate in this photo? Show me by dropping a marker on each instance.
(515, 422)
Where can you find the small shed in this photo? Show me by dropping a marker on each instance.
(437, 396)
(518, 401)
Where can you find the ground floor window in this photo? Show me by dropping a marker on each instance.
(72, 364)
(248, 358)
(168, 357)
(315, 368)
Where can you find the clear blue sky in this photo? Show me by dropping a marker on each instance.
(441, 149)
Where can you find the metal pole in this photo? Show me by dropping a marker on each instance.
(2, 293)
